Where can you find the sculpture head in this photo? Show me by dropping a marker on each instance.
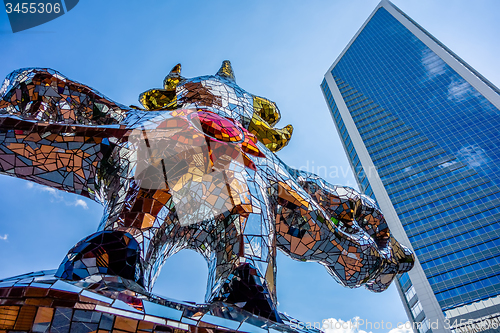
(220, 94)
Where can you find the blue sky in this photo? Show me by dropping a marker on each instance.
(279, 50)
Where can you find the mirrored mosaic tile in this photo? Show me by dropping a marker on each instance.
(193, 167)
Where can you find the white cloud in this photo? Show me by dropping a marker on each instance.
(473, 155)
(402, 329)
(47, 189)
(80, 202)
(57, 196)
(353, 325)
(4, 237)
(51, 190)
(447, 164)
(433, 64)
(460, 90)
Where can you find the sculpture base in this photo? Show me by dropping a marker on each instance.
(41, 302)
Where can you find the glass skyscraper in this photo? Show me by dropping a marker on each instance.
(421, 130)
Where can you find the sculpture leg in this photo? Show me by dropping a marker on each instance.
(242, 265)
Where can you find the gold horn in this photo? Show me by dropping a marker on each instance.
(163, 99)
(226, 71)
(173, 78)
(176, 69)
(273, 138)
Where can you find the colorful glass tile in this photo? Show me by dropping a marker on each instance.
(193, 168)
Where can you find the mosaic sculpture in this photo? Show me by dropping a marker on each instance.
(193, 168)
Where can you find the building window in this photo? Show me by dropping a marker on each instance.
(416, 309)
(410, 293)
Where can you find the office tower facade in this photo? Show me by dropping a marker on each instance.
(421, 130)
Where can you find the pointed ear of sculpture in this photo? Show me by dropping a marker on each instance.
(266, 115)
(176, 70)
(166, 98)
(226, 71)
(173, 78)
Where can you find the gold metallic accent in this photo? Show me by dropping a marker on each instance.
(274, 139)
(266, 115)
(158, 99)
(173, 78)
(267, 110)
(163, 99)
(226, 71)
(270, 278)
